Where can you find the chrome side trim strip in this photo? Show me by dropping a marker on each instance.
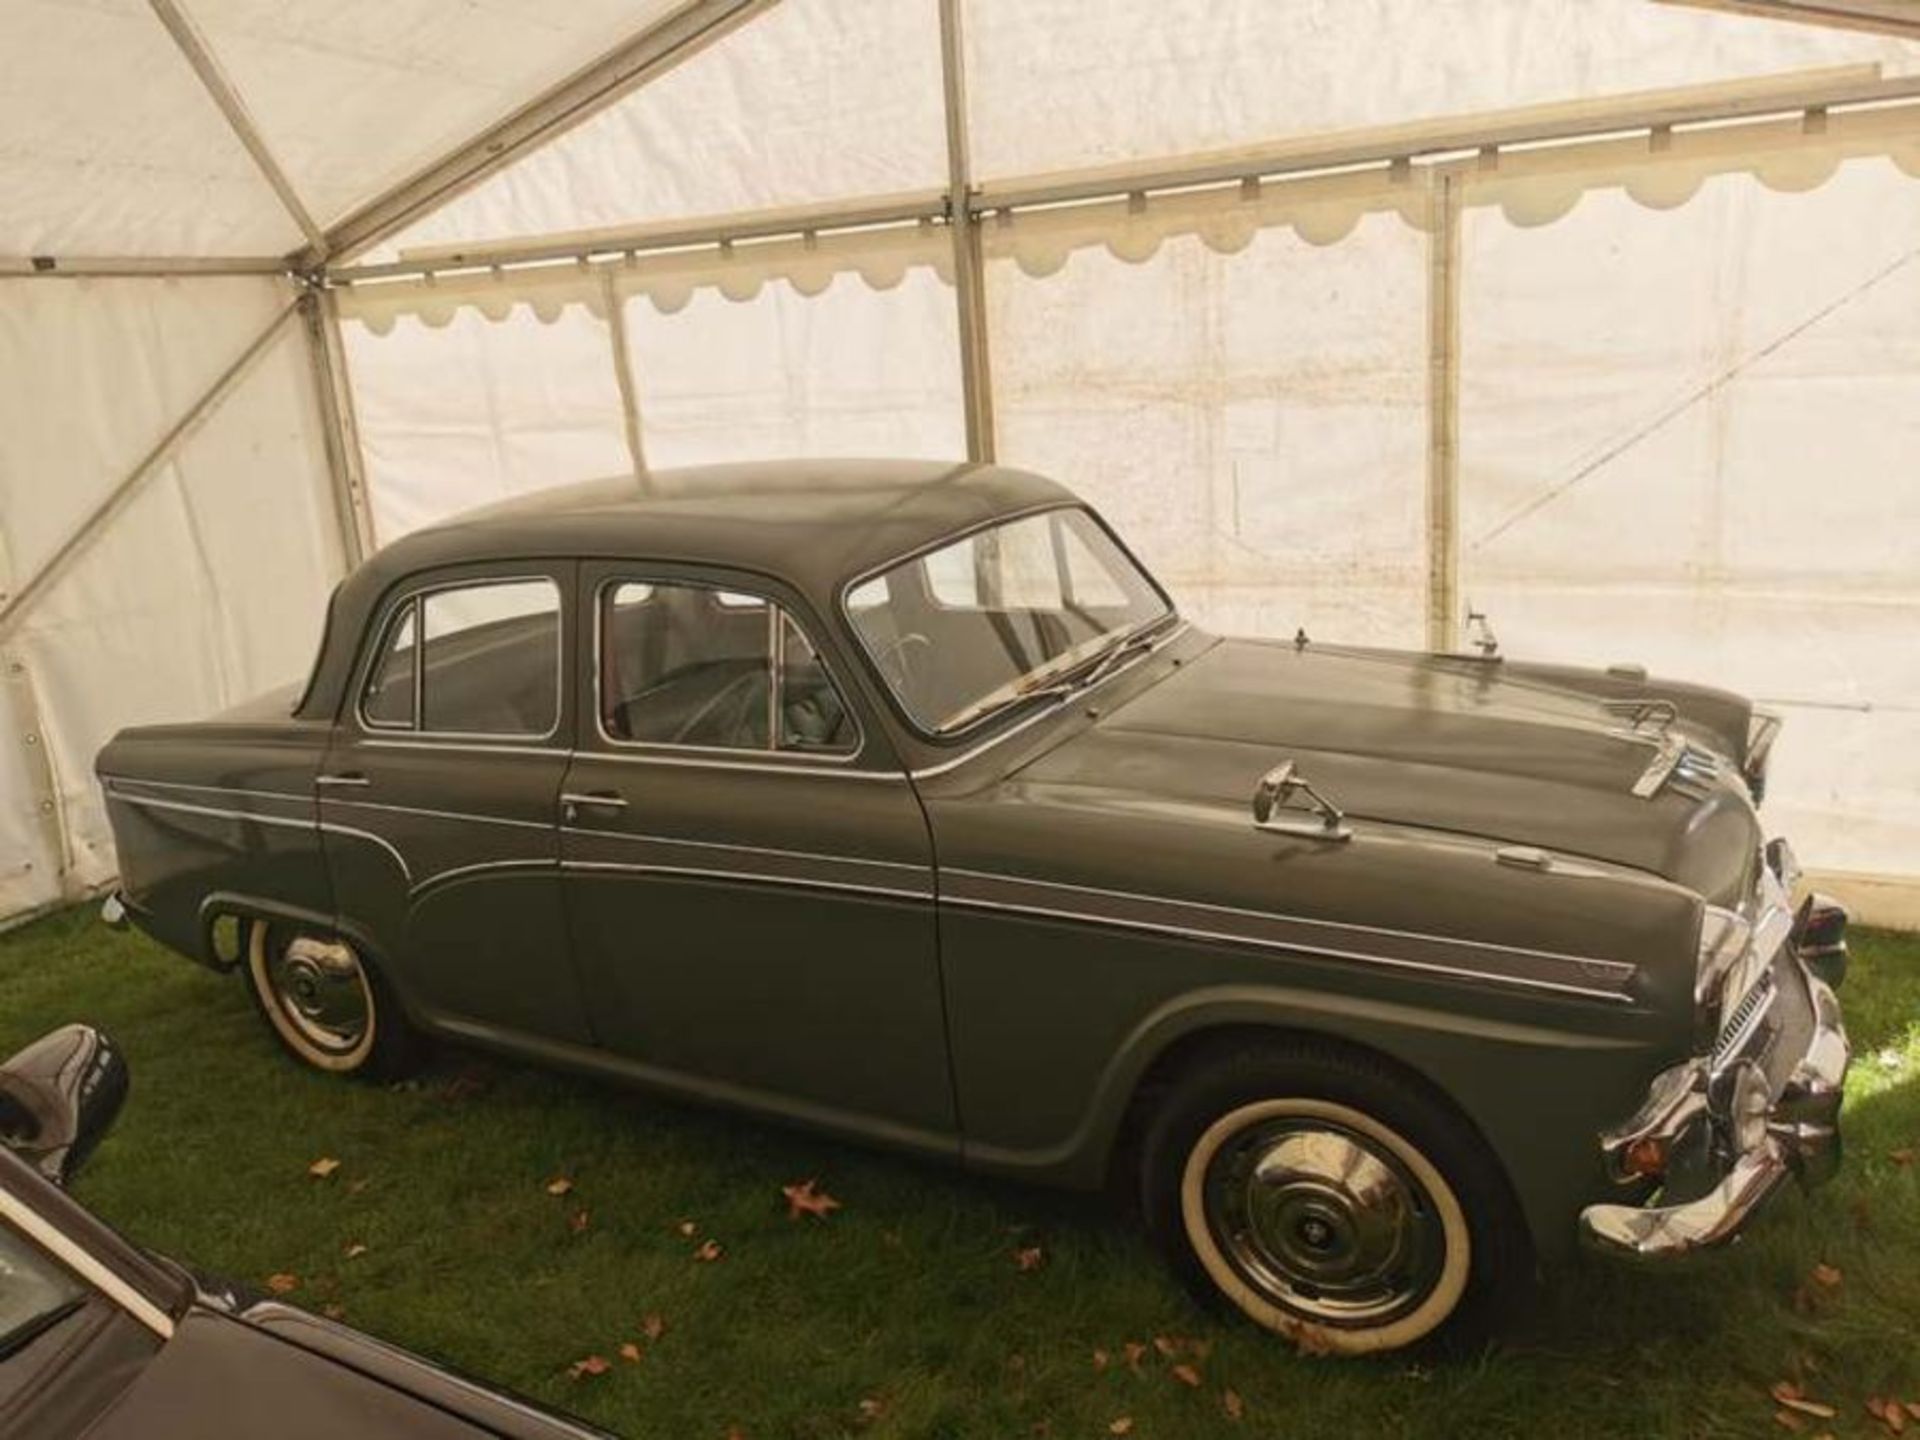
(153, 802)
(115, 785)
(1617, 969)
(752, 877)
(676, 840)
(546, 825)
(502, 747)
(1598, 979)
(84, 1263)
(711, 760)
(443, 877)
(256, 817)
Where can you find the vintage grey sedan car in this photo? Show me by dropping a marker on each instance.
(898, 800)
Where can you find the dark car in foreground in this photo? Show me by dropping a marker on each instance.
(101, 1339)
(898, 800)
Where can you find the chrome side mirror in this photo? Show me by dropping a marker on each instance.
(1274, 810)
(59, 1096)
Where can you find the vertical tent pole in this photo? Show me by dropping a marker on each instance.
(333, 388)
(623, 373)
(1443, 411)
(969, 280)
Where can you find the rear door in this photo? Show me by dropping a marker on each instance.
(439, 792)
(748, 872)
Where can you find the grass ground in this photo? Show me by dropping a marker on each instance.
(905, 1313)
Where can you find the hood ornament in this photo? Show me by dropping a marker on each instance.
(1274, 810)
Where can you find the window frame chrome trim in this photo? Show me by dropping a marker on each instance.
(771, 758)
(417, 597)
(98, 1276)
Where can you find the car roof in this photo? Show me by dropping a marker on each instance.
(814, 524)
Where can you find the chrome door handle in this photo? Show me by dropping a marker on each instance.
(350, 777)
(571, 804)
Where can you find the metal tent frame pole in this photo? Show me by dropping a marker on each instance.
(1443, 412)
(333, 391)
(969, 270)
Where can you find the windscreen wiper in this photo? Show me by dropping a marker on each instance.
(1056, 685)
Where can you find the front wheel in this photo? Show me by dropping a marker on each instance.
(1331, 1199)
(326, 1005)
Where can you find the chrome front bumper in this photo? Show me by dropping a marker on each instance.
(1696, 1103)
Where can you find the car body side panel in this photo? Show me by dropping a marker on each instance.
(219, 809)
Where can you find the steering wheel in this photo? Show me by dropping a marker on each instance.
(893, 658)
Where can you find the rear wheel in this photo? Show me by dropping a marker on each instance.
(1331, 1199)
(326, 1005)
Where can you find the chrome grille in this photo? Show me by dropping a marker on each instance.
(1739, 1024)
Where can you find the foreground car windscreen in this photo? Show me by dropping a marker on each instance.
(978, 624)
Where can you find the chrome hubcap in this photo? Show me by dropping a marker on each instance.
(322, 991)
(1324, 1221)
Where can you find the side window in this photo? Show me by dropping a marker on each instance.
(690, 665)
(480, 659)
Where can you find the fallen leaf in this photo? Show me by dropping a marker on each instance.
(1905, 1155)
(1826, 1276)
(1166, 1345)
(1135, 1351)
(804, 1198)
(1031, 1258)
(323, 1167)
(1792, 1397)
(1913, 1408)
(709, 1251)
(282, 1283)
(559, 1185)
(734, 1432)
(354, 1187)
(1187, 1376)
(686, 1228)
(630, 1352)
(1100, 1359)
(334, 1312)
(1231, 1402)
(653, 1327)
(1876, 1407)
(1787, 1420)
(354, 1251)
(872, 1408)
(1122, 1426)
(578, 1221)
(592, 1365)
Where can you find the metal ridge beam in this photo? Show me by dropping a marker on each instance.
(206, 65)
(671, 235)
(1616, 115)
(1880, 17)
(635, 61)
(79, 266)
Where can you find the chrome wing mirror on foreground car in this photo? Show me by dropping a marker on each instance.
(59, 1096)
(1273, 807)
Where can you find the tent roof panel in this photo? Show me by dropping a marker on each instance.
(352, 97)
(812, 100)
(1061, 84)
(109, 145)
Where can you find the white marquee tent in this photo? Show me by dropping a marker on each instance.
(1602, 315)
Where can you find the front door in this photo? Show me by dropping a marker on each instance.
(439, 796)
(748, 873)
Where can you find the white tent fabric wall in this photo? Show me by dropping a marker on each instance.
(206, 588)
(1247, 381)
(1706, 463)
